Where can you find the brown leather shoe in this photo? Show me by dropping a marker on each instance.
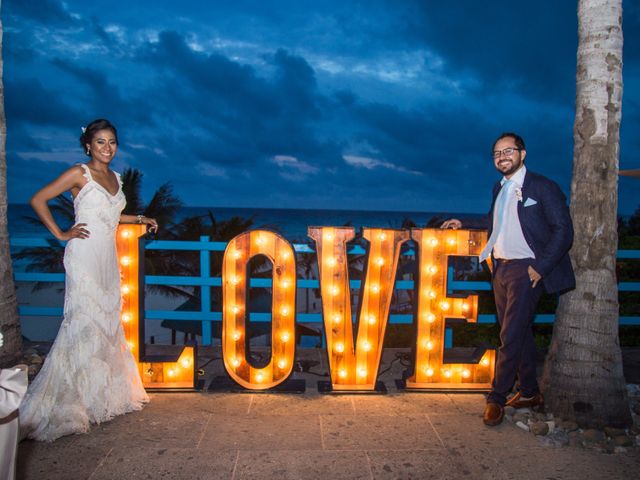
(493, 414)
(535, 403)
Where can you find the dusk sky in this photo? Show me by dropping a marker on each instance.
(376, 105)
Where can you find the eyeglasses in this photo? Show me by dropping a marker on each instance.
(507, 152)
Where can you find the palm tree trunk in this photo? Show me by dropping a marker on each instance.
(583, 377)
(9, 320)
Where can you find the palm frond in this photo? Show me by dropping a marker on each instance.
(131, 187)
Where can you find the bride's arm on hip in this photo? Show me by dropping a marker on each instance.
(71, 180)
(140, 219)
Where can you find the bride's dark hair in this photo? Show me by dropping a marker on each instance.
(91, 129)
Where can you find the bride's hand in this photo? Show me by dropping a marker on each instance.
(77, 231)
(151, 221)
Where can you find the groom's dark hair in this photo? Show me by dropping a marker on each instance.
(516, 138)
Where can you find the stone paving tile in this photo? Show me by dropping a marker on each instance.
(155, 425)
(434, 463)
(301, 405)
(257, 432)
(314, 464)
(51, 461)
(564, 463)
(403, 404)
(462, 430)
(202, 402)
(155, 463)
(376, 432)
(471, 403)
(520, 462)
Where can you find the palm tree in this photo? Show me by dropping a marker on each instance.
(583, 377)
(9, 320)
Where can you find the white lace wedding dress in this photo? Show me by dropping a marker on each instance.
(90, 375)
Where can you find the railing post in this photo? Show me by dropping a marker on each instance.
(205, 291)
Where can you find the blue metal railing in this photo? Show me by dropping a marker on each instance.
(205, 282)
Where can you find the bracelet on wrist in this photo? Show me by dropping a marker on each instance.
(139, 217)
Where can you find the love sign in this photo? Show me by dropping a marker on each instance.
(354, 356)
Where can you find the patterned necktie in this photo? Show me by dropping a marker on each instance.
(499, 215)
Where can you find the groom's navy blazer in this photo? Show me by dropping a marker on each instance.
(547, 228)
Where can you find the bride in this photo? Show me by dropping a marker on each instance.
(90, 375)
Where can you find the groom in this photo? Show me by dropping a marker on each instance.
(530, 235)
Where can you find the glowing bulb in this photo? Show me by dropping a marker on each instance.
(339, 347)
(431, 294)
(125, 234)
(235, 363)
(465, 307)
(430, 317)
(130, 345)
(284, 311)
(235, 309)
(282, 364)
(433, 269)
(335, 291)
(285, 255)
(125, 289)
(447, 373)
(379, 261)
(428, 372)
(237, 254)
(485, 362)
(375, 288)
(186, 362)
(328, 236)
(445, 306)
(371, 319)
(451, 241)
(337, 318)
(286, 283)
(433, 242)
(236, 335)
(362, 372)
(126, 317)
(259, 377)
(331, 261)
(342, 373)
(285, 336)
(171, 372)
(466, 373)
(125, 261)
(366, 346)
(382, 236)
(428, 345)
(235, 280)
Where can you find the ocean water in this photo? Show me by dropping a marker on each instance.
(291, 223)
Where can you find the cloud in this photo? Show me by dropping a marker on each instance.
(211, 170)
(292, 168)
(44, 11)
(372, 163)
